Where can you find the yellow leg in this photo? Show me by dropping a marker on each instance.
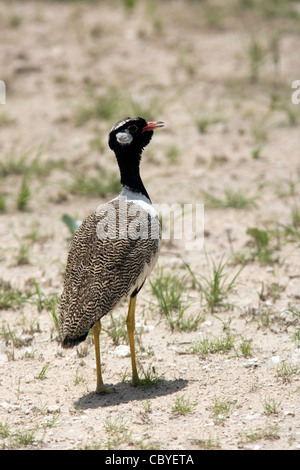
(100, 385)
(130, 329)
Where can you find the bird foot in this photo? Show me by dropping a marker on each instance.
(136, 381)
(101, 390)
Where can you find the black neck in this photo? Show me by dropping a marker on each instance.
(130, 173)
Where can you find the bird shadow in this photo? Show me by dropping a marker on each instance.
(125, 393)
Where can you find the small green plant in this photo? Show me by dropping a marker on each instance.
(23, 253)
(148, 377)
(78, 378)
(14, 19)
(9, 335)
(169, 291)
(4, 430)
(271, 406)
(262, 246)
(202, 123)
(209, 443)
(55, 318)
(233, 199)
(116, 329)
(99, 186)
(285, 370)
(259, 129)
(23, 164)
(23, 195)
(190, 322)
(39, 296)
(182, 406)
(213, 345)
(238, 199)
(268, 433)
(42, 374)
(292, 230)
(2, 203)
(256, 152)
(101, 107)
(255, 54)
(222, 408)
(271, 291)
(173, 154)
(118, 432)
(296, 336)
(205, 118)
(213, 15)
(263, 315)
(5, 119)
(226, 324)
(295, 214)
(42, 300)
(129, 4)
(218, 284)
(113, 104)
(22, 438)
(265, 318)
(245, 347)
(11, 297)
(97, 144)
(147, 408)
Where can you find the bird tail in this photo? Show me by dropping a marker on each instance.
(71, 341)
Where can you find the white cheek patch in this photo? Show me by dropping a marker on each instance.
(124, 138)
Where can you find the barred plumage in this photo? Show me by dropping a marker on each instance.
(101, 272)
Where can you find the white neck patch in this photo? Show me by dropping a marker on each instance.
(124, 137)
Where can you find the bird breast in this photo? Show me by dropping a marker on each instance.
(128, 216)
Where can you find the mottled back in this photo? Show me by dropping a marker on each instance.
(101, 271)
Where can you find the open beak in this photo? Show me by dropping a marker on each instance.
(153, 125)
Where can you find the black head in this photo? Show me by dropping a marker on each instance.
(131, 135)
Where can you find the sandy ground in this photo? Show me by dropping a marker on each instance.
(220, 77)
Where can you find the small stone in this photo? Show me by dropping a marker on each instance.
(122, 351)
(289, 413)
(253, 417)
(53, 409)
(276, 359)
(252, 362)
(142, 328)
(9, 407)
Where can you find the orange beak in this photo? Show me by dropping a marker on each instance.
(153, 125)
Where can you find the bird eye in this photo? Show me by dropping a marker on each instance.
(132, 129)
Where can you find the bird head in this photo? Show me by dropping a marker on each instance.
(132, 135)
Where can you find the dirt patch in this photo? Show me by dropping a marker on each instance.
(220, 77)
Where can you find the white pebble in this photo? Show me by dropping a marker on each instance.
(9, 406)
(289, 413)
(122, 351)
(276, 359)
(252, 417)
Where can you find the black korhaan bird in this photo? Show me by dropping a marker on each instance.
(114, 249)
